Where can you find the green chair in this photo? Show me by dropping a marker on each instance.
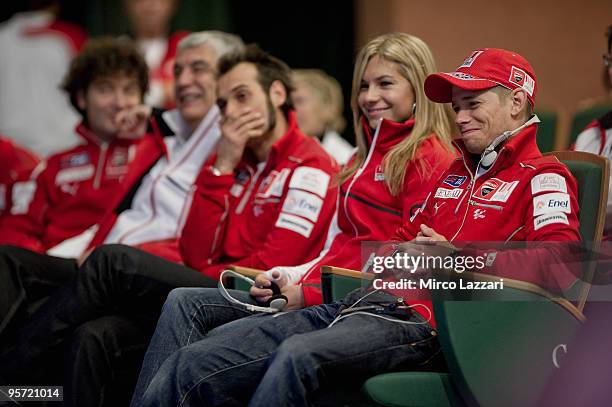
(547, 130)
(582, 119)
(498, 350)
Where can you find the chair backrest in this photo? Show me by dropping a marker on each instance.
(547, 130)
(592, 172)
(582, 119)
(498, 349)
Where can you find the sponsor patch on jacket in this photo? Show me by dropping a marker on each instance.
(522, 79)
(543, 220)
(310, 179)
(273, 184)
(76, 174)
(379, 174)
(552, 202)
(548, 182)
(117, 164)
(455, 180)
(495, 190)
(75, 160)
(444, 193)
(295, 224)
(23, 193)
(303, 204)
(119, 157)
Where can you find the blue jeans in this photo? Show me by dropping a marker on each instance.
(187, 316)
(283, 359)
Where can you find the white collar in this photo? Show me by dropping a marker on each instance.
(181, 129)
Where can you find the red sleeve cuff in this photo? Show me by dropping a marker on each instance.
(312, 296)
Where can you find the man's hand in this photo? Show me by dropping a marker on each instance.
(260, 291)
(428, 235)
(440, 246)
(295, 297)
(132, 122)
(235, 133)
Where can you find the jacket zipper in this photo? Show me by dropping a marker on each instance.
(496, 207)
(469, 190)
(101, 162)
(250, 188)
(358, 174)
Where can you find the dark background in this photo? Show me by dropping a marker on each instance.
(306, 34)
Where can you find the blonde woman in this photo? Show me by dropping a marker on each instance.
(318, 103)
(403, 145)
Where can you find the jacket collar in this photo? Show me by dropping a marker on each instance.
(179, 127)
(389, 133)
(520, 147)
(283, 147)
(91, 138)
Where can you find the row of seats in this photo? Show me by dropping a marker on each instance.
(498, 349)
(548, 133)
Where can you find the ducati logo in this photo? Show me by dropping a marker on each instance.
(479, 213)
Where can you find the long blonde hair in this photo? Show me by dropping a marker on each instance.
(415, 61)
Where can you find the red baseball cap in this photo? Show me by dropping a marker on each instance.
(484, 69)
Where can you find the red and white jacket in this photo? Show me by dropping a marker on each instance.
(265, 214)
(34, 110)
(16, 165)
(522, 197)
(151, 208)
(366, 209)
(597, 139)
(68, 194)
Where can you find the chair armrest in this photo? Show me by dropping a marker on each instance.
(339, 271)
(336, 282)
(523, 286)
(245, 271)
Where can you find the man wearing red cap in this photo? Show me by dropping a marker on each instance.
(501, 189)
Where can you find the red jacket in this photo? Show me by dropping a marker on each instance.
(16, 165)
(523, 197)
(367, 211)
(265, 214)
(69, 195)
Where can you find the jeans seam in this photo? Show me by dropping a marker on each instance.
(183, 399)
(386, 349)
(436, 353)
(199, 309)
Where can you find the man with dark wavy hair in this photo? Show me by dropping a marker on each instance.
(106, 78)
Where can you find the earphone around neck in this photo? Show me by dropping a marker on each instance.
(489, 155)
(277, 303)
